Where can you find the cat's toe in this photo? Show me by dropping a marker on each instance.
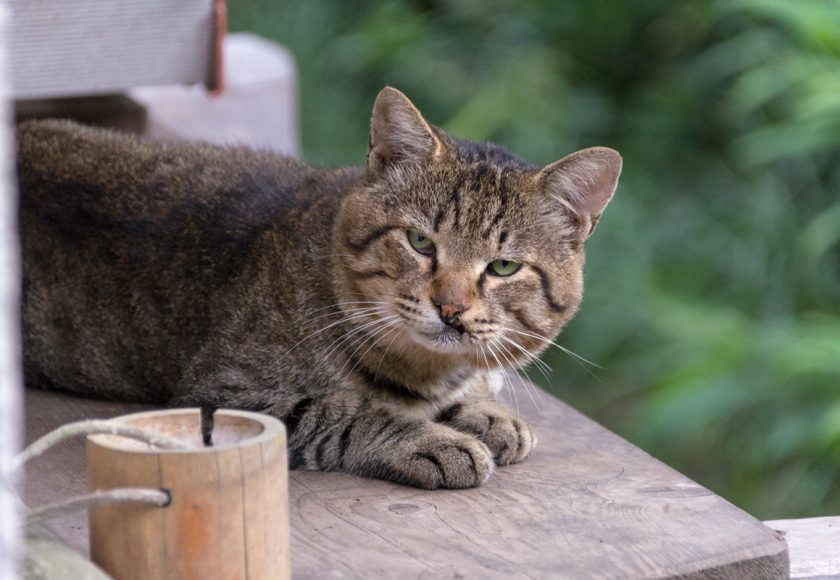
(454, 463)
(510, 439)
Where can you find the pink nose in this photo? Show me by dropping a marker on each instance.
(452, 297)
(450, 310)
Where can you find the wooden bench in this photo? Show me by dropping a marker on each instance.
(814, 545)
(586, 503)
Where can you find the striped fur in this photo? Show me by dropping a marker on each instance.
(192, 274)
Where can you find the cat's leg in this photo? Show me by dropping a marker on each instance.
(416, 452)
(509, 438)
(345, 432)
(384, 444)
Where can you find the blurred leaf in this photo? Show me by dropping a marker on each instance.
(821, 234)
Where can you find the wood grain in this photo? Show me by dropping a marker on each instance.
(585, 504)
(814, 547)
(143, 546)
(93, 47)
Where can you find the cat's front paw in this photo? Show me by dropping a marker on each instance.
(451, 460)
(510, 439)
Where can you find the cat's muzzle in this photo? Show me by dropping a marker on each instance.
(453, 322)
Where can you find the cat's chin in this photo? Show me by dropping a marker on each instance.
(446, 340)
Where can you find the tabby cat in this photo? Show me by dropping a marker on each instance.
(374, 310)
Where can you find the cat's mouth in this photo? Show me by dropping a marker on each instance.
(437, 336)
(445, 338)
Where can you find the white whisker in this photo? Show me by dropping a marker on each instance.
(574, 355)
(389, 327)
(396, 336)
(505, 352)
(506, 378)
(348, 311)
(543, 367)
(354, 332)
(351, 303)
(331, 325)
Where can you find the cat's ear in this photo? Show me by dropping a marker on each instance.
(583, 182)
(399, 133)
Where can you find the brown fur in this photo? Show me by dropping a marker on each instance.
(192, 274)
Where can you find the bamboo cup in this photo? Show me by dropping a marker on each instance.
(228, 516)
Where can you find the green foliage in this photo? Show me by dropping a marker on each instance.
(713, 299)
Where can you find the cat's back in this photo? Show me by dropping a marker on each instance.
(135, 251)
(186, 214)
(100, 173)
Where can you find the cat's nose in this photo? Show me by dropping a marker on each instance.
(450, 312)
(451, 316)
(451, 295)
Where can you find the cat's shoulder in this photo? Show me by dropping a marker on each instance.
(64, 163)
(84, 182)
(62, 145)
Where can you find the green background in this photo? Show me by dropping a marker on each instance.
(713, 281)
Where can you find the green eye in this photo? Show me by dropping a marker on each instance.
(421, 243)
(504, 267)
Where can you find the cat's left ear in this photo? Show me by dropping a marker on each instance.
(399, 133)
(583, 182)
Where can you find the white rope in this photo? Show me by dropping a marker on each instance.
(91, 427)
(155, 497)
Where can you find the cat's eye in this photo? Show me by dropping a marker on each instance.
(504, 267)
(421, 243)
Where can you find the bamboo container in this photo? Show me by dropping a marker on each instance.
(228, 515)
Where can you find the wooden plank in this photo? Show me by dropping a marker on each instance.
(94, 47)
(814, 545)
(585, 504)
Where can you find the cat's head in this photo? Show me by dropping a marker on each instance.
(461, 248)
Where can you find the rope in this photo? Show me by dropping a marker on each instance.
(155, 497)
(92, 427)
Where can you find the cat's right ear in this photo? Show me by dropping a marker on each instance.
(399, 133)
(583, 183)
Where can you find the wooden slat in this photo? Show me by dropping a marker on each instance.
(585, 504)
(814, 547)
(103, 46)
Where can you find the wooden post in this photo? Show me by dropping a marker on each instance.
(228, 516)
(10, 373)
